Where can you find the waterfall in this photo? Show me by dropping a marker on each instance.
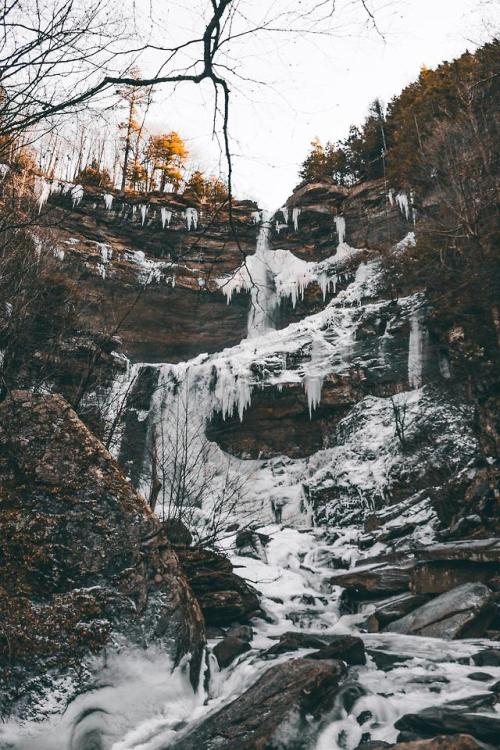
(416, 350)
(264, 300)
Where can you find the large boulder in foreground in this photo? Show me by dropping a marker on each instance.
(465, 611)
(274, 712)
(85, 564)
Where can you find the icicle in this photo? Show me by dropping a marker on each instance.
(255, 216)
(279, 227)
(42, 189)
(134, 210)
(340, 227)
(191, 218)
(314, 377)
(77, 194)
(403, 204)
(390, 196)
(295, 217)
(108, 201)
(166, 217)
(416, 350)
(143, 208)
(4, 168)
(284, 211)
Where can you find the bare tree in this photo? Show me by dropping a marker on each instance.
(190, 480)
(401, 414)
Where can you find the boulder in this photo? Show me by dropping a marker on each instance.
(293, 641)
(386, 660)
(224, 597)
(372, 581)
(281, 703)
(346, 647)
(488, 657)
(439, 576)
(450, 720)
(393, 608)
(244, 632)
(464, 611)
(85, 563)
(228, 649)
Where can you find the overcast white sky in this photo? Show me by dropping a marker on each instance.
(317, 86)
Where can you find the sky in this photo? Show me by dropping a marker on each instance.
(292, 85)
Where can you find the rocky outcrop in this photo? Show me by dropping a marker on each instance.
(275, 712)
(224, 597)
(86, 566)
(464, 611)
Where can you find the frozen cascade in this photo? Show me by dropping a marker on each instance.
(166, 217)
(340, 227)
(263, 298)
(416, 349)
(295, 218)
(191, 219)
(144, 210)
(108, 201)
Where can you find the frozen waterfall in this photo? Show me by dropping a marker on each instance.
(416, 350)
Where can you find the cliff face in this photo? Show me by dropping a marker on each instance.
(333, 346)
(86, 567)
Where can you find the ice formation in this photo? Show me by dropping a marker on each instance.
(284, 211)
(416, 349)
(390, 196)
(166, 217)
(191, 219)
(340, 227)
(108, 201)
(279, 227)
(42, 191)
(143, 208)
(403, 203)
(295, 217)
(4, 168)
(77, 192)
(255, 217)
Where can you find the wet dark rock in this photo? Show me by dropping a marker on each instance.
(374, 580)
(346, 647)
(451, 719)
(227, 650)
(373, 745)
(392, 609)
(244, 632)
(488, 657)
(464, 611)
(224, 597)
(252, 544)
(293, 641)
(280, 701)
(386, 660)
(85, 564)
(440, 576)
(480, 676)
